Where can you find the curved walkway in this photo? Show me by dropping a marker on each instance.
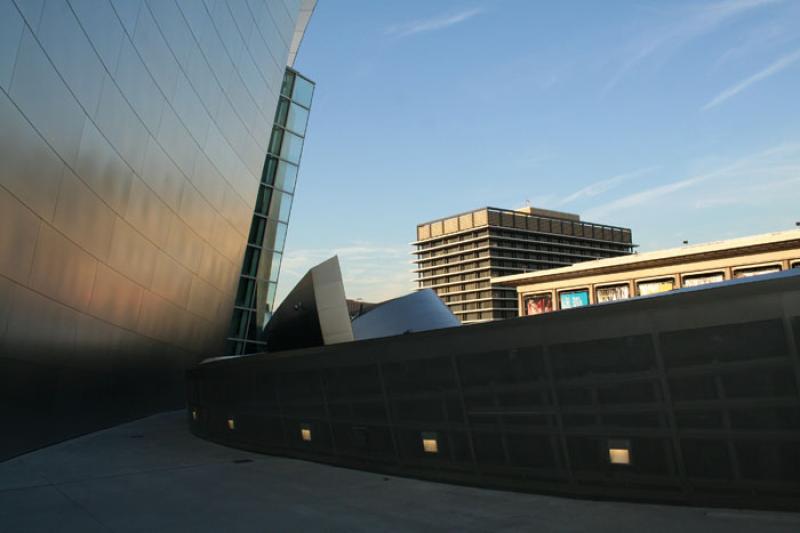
(152, 475)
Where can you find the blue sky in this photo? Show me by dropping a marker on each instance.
(680, 120)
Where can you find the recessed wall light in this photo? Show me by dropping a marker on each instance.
(619, 452)
(194, 415)
(231, 424)
(305, 432)
(430, 442)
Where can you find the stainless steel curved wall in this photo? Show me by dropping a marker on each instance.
(132, 140)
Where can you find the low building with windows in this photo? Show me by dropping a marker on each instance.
(649, 273)
(458, 255)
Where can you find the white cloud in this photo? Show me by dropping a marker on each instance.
(763, 37)
(768, 167)
(599, 187)
(771, 70)
(370, 272)
(438, 22)
(690, 25)
(759, 194)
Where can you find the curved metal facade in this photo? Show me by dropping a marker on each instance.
(133, 135)
(418, 311)
(698, 391)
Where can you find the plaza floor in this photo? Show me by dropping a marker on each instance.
(153, 475)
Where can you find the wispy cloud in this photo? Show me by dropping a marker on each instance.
(771, 70)
(438, 22)
(599, 187)
(766, 36)
(688, 26)
(771, 167)
(758, 194)
(371, 272)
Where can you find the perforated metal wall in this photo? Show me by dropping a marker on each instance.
(700, 389)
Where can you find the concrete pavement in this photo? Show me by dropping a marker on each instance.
(153, 475)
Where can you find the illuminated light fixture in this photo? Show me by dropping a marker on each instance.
(305, 432)
(619, 452)
(430, 444)
(194, 415)
(231, 424)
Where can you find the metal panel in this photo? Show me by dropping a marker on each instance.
(132, 254)
(196, 212)
(209, 41)
(138, 86)
(177, 142)
(208, 181)
(282, 20)
(19, 229)
(233, 129)
(204, 299)
(102, 169)
(103, 28)
(32, 171)
(148, 213)
(83, 217)
(218, 271)
(174, 28)
(62, 270)
(162, 175)
(45, 100)
(121, 126)
(11, 25)
(203, 80)
(171, 281)
(267, 67)
(226, 240)
(227, 30)
(243, 17)
(155, 53)
(25, 335)
(115, 298)
(71, 52)
(128, 13)
(184, 245)
(32, 11)
(6, 289)
(158, 317)
(190, 109)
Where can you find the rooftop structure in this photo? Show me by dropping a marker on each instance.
(647, 273)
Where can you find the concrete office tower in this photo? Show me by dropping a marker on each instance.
(457, 255)
(133, 137)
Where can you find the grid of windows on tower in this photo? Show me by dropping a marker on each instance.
(255, 297)
(458, 256)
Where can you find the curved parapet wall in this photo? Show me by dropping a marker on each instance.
(690, 397)
(418, 311)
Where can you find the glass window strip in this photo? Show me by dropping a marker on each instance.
(269, 222)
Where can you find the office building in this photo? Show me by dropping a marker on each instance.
(653, 272)
(457, 256)
(133, 137)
